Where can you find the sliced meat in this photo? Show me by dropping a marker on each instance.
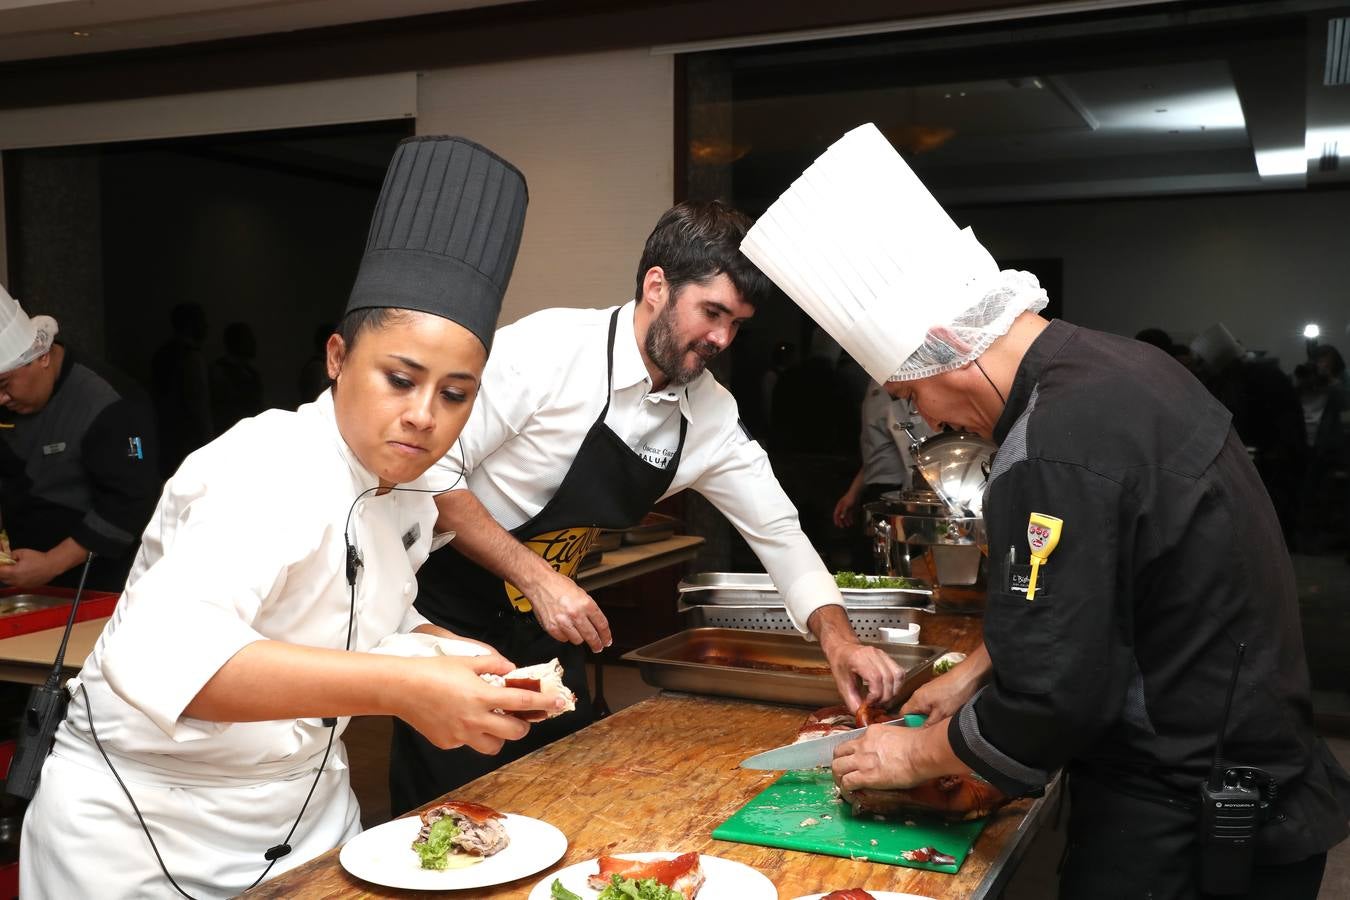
(482, 830)
(684, 873)
(956, 797)
(848, 894)
(543, 677)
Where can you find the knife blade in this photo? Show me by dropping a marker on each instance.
(815, 752)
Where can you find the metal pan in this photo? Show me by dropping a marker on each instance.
(757, 665)
(757, 588)
(866, 620)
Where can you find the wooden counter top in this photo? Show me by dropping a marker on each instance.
(661, 775)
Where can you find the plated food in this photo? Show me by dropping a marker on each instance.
(656, 876)
(544, 677)
(457, 833)
(382, 856)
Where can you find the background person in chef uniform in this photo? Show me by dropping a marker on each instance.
(77, 460)
(1168, 555)
(207, 686)
(587, 417)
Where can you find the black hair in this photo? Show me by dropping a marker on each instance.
(696, 242)
(367, 318)
(1333, 357)
(1157, 337)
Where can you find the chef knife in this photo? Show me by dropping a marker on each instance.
(815, 752)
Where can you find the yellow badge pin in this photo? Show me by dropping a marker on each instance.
(1042, 536)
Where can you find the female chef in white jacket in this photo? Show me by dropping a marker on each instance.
(206, 691)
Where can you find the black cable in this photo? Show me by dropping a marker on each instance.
(276, 851)
(991, 382)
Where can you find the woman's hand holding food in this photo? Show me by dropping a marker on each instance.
(447, 701)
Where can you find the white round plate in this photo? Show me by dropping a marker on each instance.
(879, 895)
(724, 879)
(384, 855)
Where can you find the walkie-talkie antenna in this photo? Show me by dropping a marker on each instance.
(1215, 771)
(54, 679)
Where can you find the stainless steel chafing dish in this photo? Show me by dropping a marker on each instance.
(754, 665)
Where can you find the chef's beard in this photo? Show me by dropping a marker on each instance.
(664, 350)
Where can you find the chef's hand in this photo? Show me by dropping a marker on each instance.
(451, 706)
(944, 696)
(939, 699)
(31, 568)
(844, 509)
(857, 667)
(882, 758)
(569, 614)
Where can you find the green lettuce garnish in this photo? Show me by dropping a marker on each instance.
(435, 851)
(846, 579)
(621, 888)
(558, 892)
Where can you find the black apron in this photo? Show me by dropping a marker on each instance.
(607, 486)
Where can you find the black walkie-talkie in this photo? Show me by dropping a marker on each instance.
(1232, 808)
(42, 714)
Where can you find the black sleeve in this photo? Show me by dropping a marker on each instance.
(1061, 661)
(120, 462)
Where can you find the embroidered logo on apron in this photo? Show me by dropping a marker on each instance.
(562, 549)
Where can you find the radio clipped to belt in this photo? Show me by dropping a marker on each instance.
(1235, 801)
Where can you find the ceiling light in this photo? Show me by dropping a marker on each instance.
(79, 34)
(1311, 331)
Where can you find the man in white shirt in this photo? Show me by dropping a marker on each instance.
(585, 419)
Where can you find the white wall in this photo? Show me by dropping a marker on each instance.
(1263, 263)
(594, 136)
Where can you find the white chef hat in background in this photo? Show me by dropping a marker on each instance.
(863, 248)
(22, 339)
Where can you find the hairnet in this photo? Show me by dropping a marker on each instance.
(958, 342)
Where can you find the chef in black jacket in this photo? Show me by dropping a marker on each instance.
(1166, 552)
(77, 465)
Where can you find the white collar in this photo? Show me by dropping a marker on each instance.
(630, 370)
(363, 478)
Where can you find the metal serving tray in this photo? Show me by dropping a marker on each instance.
(758, 665)
(866, 620)
(23, 603)
(757, 588)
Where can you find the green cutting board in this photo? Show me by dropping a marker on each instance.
(782, 815)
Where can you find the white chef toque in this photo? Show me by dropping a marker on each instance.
(863, 248)
(22, 339)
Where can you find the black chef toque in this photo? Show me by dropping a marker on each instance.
(445, 233)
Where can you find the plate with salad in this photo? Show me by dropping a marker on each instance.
(723, 879)
(385, 855)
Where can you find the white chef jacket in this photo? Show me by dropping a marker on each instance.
(543, 388)
(246, 544)
(885, 445)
